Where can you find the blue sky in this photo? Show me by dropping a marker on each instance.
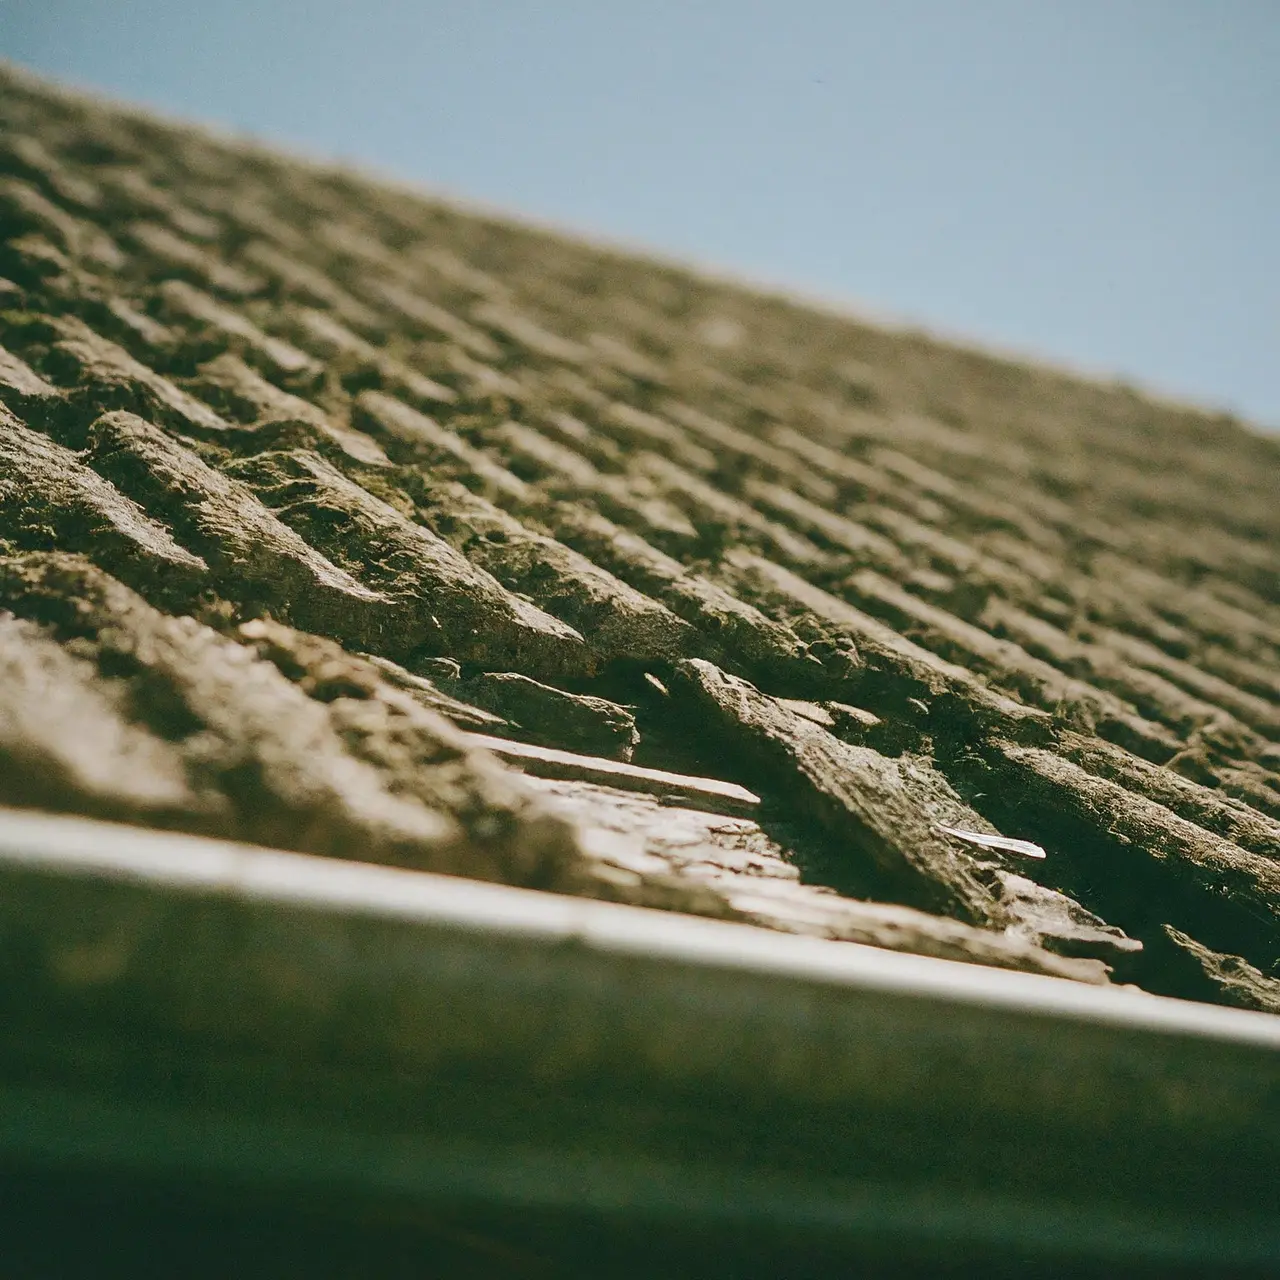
(1096, 182)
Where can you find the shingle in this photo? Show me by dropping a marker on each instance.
(378, 459)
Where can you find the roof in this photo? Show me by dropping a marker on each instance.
(340, 520)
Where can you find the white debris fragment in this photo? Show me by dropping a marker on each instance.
(1006, 843)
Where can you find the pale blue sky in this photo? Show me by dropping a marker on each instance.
(1095, 181)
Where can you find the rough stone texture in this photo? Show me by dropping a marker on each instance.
(441, 601)
(48, 495)
(1229, 979)
(344, 769)
(304, 478)
(887, 813)
(536, 712)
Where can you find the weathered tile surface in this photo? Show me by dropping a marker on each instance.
(295, 470)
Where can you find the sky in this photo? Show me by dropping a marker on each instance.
(1094, 182)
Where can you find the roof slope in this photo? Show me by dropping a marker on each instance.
(319, 499)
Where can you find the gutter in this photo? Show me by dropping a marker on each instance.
(179, 1008)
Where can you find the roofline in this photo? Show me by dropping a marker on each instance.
(838, 307)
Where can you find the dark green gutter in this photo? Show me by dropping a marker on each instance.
(273, 1023)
